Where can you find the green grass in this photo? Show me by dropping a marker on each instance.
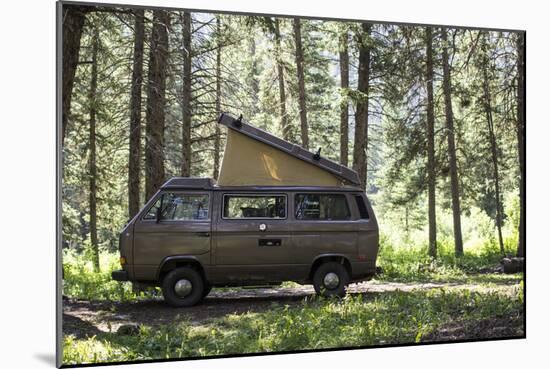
(374, 319)
(358, 320)
(407, 264)
(402, 264)
(80, 281)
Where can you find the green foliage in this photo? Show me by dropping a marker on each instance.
(404, 255)
(248, 73)
(396, 178)
(406, 227)
(80, 281)
(112, 132)
(407, 264)
(359, 320)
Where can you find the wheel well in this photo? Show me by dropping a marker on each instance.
(170, 265)
(324, 259)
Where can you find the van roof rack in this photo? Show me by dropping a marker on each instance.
(188, 183)
(240, 125)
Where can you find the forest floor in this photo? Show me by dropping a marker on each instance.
(84, 319)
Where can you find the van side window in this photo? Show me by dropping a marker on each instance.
(177, 206)
(363, 213)
(321, 207)
(249, 206)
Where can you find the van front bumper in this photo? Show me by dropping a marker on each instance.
(119, 275)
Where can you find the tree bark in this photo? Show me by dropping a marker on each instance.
(344, 85)
(155, 115)
(218, 102)
(280, 76)
(253, 82)
(73, 23)
(186, 97)
(520, 45)
(301, 83)
(449, 120)
(432, 249)
(362, 110)
(492, 138)
(92, 96)
(135, 117)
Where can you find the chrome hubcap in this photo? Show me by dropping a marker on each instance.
(331, 280)
(183, 287)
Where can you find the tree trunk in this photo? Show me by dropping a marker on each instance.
(494, 151)
(451, 147)
(521, 137)
(135, 117)
(301, 83)
(280, 76)
(218, 102)
(93, 167)
(73, 23)
(186, 97)
(253, 82)
(344, 85)
(432, 249)
(362, 110)
(155, 116)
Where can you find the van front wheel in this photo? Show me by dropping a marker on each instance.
(183, 287)
(330, 279)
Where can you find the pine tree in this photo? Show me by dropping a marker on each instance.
(155, 113)
(301, 83)
(520, 108)
(73, 24)
(344, 104)
(453, 169)
(93, 101)
(285, 127)
(186, 96)
(362, 110)
(488, 107)
(430, 120)
(218, 100)
(134, 172)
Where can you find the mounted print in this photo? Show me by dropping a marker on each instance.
(238, 184)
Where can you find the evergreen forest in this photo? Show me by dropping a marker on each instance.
(431, 118)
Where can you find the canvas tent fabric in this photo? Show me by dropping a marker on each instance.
(255, 157)
(249, 162)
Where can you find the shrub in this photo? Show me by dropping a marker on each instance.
(80, 280)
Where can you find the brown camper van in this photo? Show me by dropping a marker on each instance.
(277, 213)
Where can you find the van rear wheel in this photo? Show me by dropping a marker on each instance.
(183, 287)
(330, 279)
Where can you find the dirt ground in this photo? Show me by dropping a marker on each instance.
(83, 318)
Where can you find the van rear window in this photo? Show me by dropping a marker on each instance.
(363, 213)
(321, 207)
(250, 206)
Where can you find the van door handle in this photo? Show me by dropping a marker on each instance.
(269, 242)
(202, 234)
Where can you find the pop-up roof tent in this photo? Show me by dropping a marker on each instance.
(255, 157)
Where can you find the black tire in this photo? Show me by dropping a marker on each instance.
(322, 271)
(207, 289)
(169, 283)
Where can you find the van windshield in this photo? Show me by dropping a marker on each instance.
(178, 206)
